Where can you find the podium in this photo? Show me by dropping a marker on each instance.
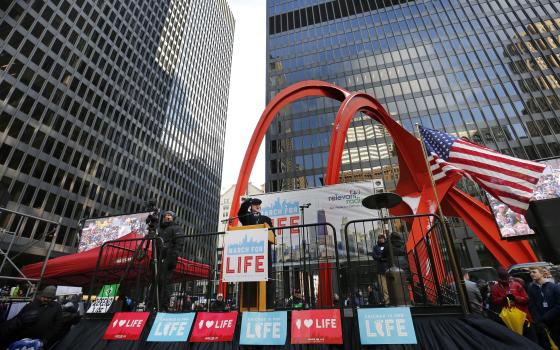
(257, 296)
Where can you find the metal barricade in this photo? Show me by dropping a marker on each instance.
(306, 258)
(414, 269)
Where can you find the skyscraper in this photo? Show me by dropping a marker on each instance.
(486, 70)
(106, 104)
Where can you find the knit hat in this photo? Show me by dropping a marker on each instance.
(169, 212)
(48, 292)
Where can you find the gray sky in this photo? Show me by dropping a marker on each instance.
(247, 88)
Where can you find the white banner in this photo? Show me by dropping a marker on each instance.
(337, 205)
(245, 255)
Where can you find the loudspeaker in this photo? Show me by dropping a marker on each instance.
(543, 217)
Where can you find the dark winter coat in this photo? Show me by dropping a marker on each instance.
(380, 257)
(37, 321)
(170, 233)
(218, 305)
(549, 293)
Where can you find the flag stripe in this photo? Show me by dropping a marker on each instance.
(507, 191)
(480, 167)
(499, 159)
(491, 177)
(529, 164)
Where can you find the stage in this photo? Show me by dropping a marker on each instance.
(433, 331)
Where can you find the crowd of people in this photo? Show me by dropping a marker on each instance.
(510, 223)
(538, 301)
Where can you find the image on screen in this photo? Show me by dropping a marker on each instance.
(98, 231)
(510, 223)
(549, 185)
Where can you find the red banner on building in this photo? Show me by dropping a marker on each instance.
(316, 327)
(126, 326)
(213, 327)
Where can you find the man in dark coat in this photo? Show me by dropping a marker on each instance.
(41, 319)
(380, 257)
(250, 213)
(218, 304)
(296, 301)
(169, 232)
(544, 305)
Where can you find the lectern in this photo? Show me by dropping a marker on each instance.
(258, 296)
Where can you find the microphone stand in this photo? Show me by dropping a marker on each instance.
(306, 275)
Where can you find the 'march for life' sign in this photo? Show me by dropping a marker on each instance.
(246, 256)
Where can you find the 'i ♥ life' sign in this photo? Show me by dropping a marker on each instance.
(213, 327)
(316, 327)
(126, 326)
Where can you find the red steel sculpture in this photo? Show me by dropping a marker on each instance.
(414, 183)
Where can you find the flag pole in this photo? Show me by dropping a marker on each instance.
(459, 281)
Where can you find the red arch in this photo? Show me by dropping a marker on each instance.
(290, 94)
(414, 181)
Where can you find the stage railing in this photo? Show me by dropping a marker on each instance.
(130, 263)
(417, 273)
(330, 271)
(305, 258)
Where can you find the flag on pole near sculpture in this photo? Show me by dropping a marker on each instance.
(510, 180)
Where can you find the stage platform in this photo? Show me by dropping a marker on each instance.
(434, 331)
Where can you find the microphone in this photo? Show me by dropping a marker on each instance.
(236, 217)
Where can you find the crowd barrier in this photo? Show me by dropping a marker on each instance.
(329, 270)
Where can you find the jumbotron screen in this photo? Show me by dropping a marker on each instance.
(513, 225)
(98, 231)
(549, 185)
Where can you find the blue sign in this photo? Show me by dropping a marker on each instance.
(171, 327)
(264, 328)
(392, 325)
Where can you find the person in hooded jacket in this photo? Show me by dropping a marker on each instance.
(544, 305)
(41, 319)
(169, 231)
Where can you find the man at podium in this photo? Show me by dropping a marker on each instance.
(250, 213)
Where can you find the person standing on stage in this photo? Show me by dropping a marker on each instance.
(169, 231)
(250, 213)
(380, 257)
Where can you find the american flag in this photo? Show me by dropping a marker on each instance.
(510, 180)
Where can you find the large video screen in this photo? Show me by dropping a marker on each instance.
(513, 225)
(549, 184)
(98, 231)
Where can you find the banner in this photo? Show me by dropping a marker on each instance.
(214, 327)
(264, 328)
(392, 325)
(246, 256)
(336, 204)
(126, 326)
(316, 327)
(171, 327)
(104, 299)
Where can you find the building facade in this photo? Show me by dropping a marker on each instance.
(107, 104)
(486, 70)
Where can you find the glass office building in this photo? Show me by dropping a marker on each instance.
(106, 104)
(486, 70)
